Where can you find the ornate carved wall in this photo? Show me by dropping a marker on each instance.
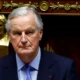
(45, 7)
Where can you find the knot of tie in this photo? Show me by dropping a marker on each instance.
(28, 69)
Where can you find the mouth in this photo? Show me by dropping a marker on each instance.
(24, 47)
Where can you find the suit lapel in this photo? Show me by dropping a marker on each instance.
(10, 69)
(46, 69)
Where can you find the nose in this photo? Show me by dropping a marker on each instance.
(23, 38)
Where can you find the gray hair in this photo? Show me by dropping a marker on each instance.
(21, 11)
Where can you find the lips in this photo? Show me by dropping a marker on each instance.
(25, 47)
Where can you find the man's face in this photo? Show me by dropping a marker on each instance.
(24, 35)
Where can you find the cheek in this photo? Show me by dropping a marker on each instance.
(14, 41)
(35, 41)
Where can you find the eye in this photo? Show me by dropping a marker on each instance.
(29, 32)
(16, 33)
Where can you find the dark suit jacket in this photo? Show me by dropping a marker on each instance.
(52, 67)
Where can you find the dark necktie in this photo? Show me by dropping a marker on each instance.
(28, 73)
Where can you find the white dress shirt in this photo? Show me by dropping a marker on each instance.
(35, 64)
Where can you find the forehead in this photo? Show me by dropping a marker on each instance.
(24, 18)
(23, 21)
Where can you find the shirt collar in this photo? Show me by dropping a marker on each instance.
(34, 63)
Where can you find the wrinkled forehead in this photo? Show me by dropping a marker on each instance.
(24, 21)
(27, 19)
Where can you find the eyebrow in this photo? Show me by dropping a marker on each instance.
(16, 29)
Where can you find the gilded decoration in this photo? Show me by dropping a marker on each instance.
(7, 5)
(43, 5)
(48, 48)
(4, 41)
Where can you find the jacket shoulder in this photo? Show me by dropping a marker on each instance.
(58, 59)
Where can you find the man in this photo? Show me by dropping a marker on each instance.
(25, 30)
